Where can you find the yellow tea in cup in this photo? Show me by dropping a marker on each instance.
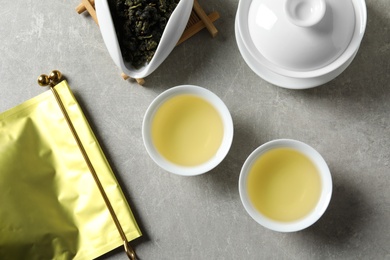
(187, 130)
(284, 184)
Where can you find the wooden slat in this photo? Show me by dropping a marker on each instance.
(81, 8)
(203, 16)
(91, 10)
(195, 28)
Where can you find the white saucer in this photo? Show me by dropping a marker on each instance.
(280, 80)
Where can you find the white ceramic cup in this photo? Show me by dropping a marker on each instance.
(325, 194)
(223, 112)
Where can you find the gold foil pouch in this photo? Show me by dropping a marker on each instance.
(50, 205)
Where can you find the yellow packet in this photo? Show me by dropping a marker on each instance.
(50, 205)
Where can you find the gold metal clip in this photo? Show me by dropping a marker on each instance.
(53, 79)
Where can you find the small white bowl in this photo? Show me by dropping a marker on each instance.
(212, 99)
(326, 186)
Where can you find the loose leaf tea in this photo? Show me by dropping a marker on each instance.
(139, 26)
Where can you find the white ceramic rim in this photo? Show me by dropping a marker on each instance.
(280, 80)
(325, 196)
(218, 104)
(360, 26)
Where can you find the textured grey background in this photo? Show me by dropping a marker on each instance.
(346, 120)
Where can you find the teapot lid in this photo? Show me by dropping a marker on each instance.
(300, 35)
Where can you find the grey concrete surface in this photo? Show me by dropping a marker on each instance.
(347, 120)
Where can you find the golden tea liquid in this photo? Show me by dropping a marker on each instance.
(284, 185)
(187, 130)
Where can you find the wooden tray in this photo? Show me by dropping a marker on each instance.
(198, 21)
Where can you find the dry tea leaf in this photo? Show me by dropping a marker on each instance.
(139, 25)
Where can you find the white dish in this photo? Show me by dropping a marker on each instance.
(280, 50)
(220, 107)
(280, 80)
(324, 174)
(171, 35)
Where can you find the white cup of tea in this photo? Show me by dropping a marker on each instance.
(285, 185)
(187, 130)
